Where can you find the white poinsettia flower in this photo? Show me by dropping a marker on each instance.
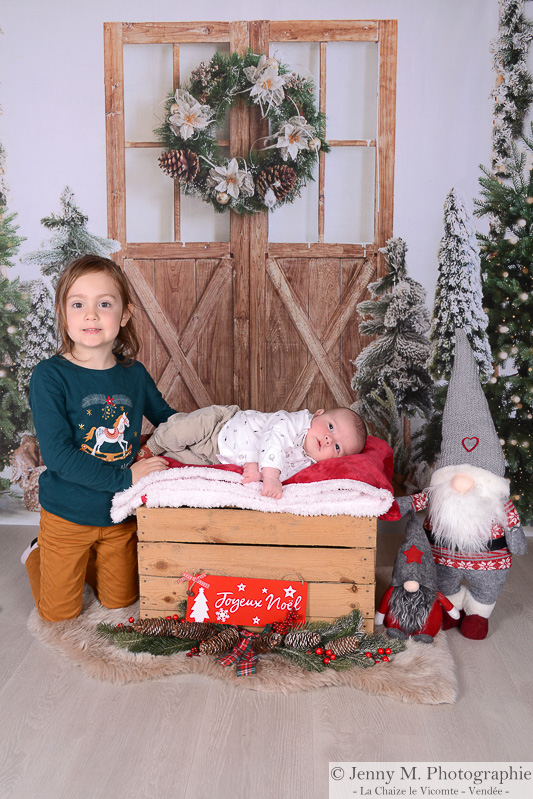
(189, 116)
(254, 73)
(232, 180)
(292, 138)
(268, 87)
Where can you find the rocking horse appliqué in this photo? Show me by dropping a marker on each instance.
(109, 435)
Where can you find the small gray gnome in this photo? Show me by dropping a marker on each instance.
(412, 607)
(472, 525)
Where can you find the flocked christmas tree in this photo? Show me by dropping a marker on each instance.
(513, 93)
(458, 303)
(70, 239)
(38, 338)
(507, 266)
(14, 413)
(397, 357)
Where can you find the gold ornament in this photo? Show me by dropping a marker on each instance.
(223, 198)
(314, 144)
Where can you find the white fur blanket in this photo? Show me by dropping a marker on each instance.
(204, 487)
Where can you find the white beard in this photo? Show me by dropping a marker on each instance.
(463, 522)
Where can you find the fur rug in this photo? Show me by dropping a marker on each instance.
(423, 673)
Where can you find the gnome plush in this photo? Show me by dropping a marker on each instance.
(472, 526)
(412, 607)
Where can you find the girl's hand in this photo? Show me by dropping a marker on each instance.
(147, 466)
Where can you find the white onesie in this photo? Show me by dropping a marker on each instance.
(269, 439)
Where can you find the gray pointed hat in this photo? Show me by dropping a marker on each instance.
(468, 432)
(414, 560)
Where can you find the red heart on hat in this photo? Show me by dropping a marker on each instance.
(470, 443)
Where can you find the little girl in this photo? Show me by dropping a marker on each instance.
(88, 402)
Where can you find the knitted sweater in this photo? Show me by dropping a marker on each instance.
(88, 423)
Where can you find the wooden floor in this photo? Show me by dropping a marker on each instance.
(66, 736)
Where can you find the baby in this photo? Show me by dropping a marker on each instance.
(270, 447)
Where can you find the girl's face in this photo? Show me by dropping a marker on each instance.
(94, 314)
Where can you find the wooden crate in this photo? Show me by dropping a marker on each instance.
(335, 555)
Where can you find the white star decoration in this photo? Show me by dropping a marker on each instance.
(290, 591)
(256, 620)
(265, 591)
(241, 587)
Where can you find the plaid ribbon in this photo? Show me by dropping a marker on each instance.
(242, 654)
(196, 578)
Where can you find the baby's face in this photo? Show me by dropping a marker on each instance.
(332, 435)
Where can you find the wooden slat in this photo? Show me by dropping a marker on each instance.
(176, 249)
(259, 41)
(320, 250)
(324, 302)
(338, 389)
(240, 243)
(204, 305)
(236, 526)
(333, 330)
(351, 142)
(324, 600)
(342, 30)
(114, 117)
(314, 564)
(388, 38)
(174, 32)
(286, 353)
(168, 335)
(215, 339)
(175, 290)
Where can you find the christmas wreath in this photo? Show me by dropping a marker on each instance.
(277, 166)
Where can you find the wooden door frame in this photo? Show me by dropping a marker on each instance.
(254, 257)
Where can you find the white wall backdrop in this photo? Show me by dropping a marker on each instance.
(52, 96)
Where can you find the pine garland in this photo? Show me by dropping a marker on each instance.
(349, 626)
(273, 173)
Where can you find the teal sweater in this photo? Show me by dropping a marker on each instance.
(88, 423)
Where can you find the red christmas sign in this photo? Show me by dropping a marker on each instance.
(241, 600)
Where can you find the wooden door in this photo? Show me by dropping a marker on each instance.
(251, 321)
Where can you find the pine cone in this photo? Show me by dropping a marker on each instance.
(281, 179)
(196, 631)
(344, 646)
(159, 626)
(181, 164)
(221, 642)
(266, 642)
(302, 639)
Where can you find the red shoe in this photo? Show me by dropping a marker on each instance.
(448, 622)
(475, 627)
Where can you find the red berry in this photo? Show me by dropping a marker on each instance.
(131, 619)
(329, 652)
(333, 656)
(319, 650)
(385, 659)
(368, 654)
(120, 625)
(176, 617)
(388, 651)
(326, 661)
(169, 617)
(377, 660)
(381, 651)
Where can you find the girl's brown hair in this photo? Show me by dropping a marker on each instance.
(127, 343)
